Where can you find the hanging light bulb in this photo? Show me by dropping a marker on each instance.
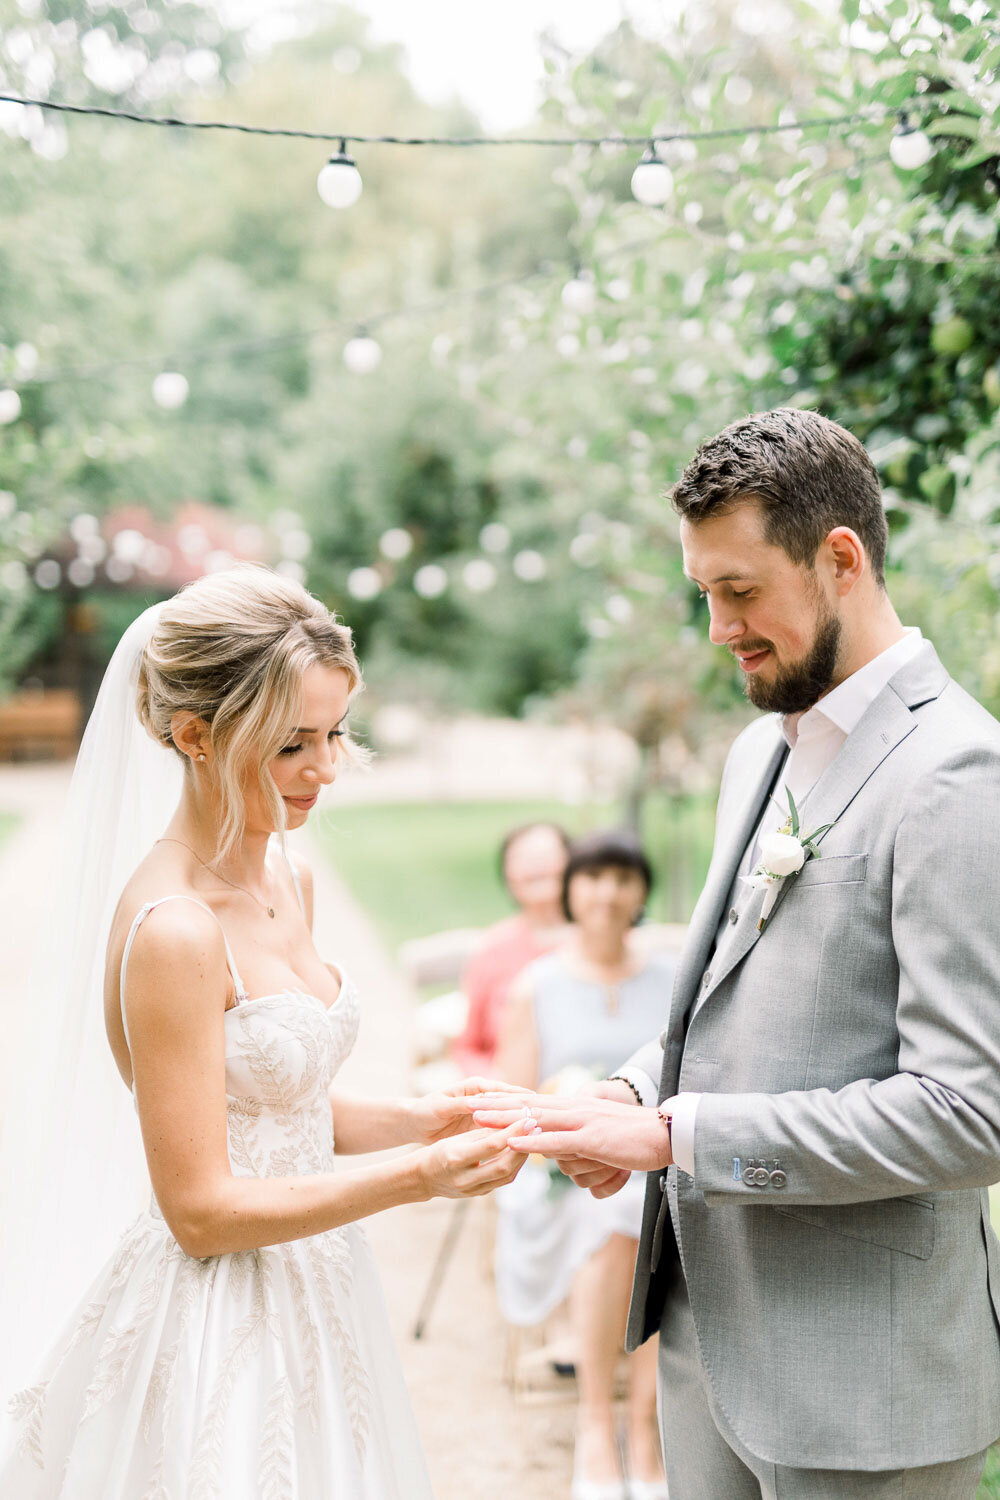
(10, 405)
(652, 180)
(530, 566)
(430, 581)
(396, 543)
(910, 148)
(362, 353)
(579, 294)
(170, 389)
(364, 583)
(339, 182)
(479, 575)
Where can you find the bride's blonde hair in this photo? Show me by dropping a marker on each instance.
(231, 649)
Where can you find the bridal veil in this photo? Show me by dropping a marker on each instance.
(72, 1170)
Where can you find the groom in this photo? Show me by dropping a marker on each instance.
(816, 1252)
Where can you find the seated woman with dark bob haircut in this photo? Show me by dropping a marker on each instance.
(570, 1017)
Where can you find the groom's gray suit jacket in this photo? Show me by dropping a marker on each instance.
(846, 1316)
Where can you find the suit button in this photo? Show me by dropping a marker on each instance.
(750, 1176)
(706, 978)
(778, 1179)
(734, 915)
(761, 1177)
(663, 1182)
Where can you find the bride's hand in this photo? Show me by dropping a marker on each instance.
(470, 1164)
(445, 1113)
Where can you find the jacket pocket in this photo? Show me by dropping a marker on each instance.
(904, 1224)
(832, 869)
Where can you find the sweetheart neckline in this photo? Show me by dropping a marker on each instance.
(291, 989)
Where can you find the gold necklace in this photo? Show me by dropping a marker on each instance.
(268, 909)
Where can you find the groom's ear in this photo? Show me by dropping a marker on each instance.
(190, 734)
(842, 554)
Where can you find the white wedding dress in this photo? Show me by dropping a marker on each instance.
(265, 1374)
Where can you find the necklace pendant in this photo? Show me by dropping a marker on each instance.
(270, 911)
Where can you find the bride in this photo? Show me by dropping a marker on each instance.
(235, 1344)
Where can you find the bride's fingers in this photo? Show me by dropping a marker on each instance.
(541, 1116)
(499, 1119)
(542, 1143)
(497, 1171)
(510, 1101)
(470, 1086)
(476, 1146)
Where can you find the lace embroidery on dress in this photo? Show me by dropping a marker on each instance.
(282, 1052)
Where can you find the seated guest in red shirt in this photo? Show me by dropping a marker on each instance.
(533, 859)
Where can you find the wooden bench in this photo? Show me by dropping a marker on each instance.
(40, 724)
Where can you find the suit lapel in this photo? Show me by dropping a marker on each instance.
(884, 725)
(733, 842)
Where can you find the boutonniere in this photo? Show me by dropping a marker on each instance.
(782, 854)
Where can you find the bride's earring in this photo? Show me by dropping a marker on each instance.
(202, 755)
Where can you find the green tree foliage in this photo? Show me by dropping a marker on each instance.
(522, 440)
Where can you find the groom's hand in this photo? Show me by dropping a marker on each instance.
(601, 1181)
(580, 1129)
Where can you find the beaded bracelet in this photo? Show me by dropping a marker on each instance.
(617, 1078)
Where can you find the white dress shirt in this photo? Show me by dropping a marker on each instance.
(814, 738)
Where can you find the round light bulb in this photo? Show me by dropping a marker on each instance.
(396, 543)
(48, 573)
(479, 575)
(364, 583)
(430, 581)
(10, 406)
(530, 566)
(13, 575)
(910, 148)
(494, 537)
(362, 354)
(170, 390)
(339, 182)
(579, 294)
(652, 181)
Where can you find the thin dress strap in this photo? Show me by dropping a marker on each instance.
(137, 921)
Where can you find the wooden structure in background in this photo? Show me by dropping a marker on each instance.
(40, 724)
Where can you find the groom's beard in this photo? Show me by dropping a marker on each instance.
(795, 688)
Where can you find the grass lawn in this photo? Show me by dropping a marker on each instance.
(419, 868)
(8, 822)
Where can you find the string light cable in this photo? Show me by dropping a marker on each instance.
(340, 185)
(871, 114)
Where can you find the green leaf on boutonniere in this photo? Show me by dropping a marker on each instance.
(793, 813)
(811, 838)
(811, 849)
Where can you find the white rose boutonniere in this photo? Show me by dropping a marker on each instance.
(781, 854)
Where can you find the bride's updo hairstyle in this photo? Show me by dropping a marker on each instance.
(231, 649)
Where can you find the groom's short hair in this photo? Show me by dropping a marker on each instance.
(807, 475)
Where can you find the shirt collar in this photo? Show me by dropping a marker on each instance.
(844, 706)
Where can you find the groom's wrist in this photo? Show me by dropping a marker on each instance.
(635, 1086)
(628, 1093)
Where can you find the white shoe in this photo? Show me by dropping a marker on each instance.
(648, 1489)
(593, 1489)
